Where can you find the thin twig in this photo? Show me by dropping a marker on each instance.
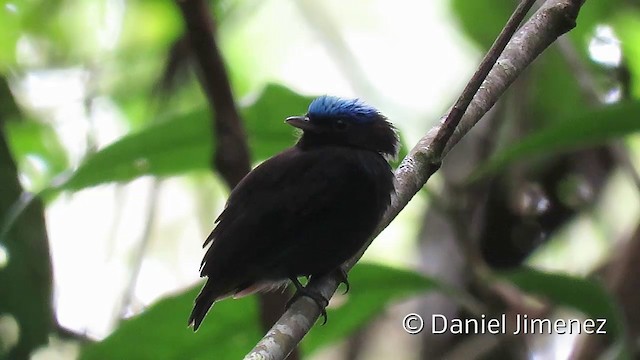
(553, 19)
(69, 334)
(451, 121)
(139, 252)
(533, 38)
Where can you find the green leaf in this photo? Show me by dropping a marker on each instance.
(550, 79)
(175, 146)
(11, 33)
(482, 20)
(627, 28)
(264, 120)
(25, 273)
(373, 288)
(37, 149)
(184, 142)
(161, 332)
(593, 14)
(588, 127)
(584, 295)
(19, 18)
(231, 329)
(25, 279)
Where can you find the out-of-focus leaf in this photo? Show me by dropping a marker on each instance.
(26, 279)
(25, 275)
(39, 151)
(229, 332)
(231, 328)
(184, 143)
(10, 34)
(172, 147)
(627, 28)
(482, 20)
(584, 295)
(373, 288)
(588, 127)
(552, 89)
(19, 18)
(592, 14)
(150, 25)
(264, 120)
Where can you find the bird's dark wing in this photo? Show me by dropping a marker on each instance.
(271, 200)
(267, 214)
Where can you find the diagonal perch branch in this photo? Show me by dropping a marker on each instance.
(553, 19)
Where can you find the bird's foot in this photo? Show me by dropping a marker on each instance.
(320, 300)
(342, 277)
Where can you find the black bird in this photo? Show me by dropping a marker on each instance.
(305, 211)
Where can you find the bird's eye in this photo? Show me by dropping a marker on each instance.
(340, 125)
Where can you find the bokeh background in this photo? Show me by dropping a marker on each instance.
(107, 191)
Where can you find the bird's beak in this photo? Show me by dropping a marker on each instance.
(301, 122)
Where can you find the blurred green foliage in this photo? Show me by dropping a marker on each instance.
(231, 328)
(45, 155)
(583, 128)
(183, 142)
(161, 332)
(25, 277)
(587, 296)
(626, 24)
(64, 33)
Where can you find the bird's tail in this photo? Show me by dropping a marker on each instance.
(208, 295)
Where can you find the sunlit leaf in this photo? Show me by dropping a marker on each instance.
(19, 18)
(38, 148)
(627, 28)
(184, 142)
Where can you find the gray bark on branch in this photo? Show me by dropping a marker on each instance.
(554, 18)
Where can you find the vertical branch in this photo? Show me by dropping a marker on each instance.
(231, 154)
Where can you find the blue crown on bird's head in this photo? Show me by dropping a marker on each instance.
(335, 107)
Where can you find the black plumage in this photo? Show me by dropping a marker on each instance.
(306, 210)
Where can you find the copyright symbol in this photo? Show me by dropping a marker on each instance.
(413, 323)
